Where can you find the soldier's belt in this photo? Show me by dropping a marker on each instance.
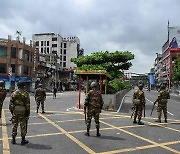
(19, 109)
(136, 101)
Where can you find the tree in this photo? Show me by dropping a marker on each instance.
(112, 62)
(176, 70)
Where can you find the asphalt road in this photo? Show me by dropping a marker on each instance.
(61, 129)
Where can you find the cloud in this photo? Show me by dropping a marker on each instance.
(125, 25)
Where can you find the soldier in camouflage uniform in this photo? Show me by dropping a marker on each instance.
(40, 97)
(92, 106)
(138, 103)
(162, 103)
(2, 95)
(20, 109)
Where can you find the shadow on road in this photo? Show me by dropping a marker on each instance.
(38, 146)
(110, 137)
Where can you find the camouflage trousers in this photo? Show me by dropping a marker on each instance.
(1, 105)
(16, 120)
(138, 112)
(38, 102)
(159, 111)
(93, 113)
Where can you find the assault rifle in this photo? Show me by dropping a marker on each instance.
(153, 108)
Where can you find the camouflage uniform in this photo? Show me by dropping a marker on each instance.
(138, 95)
(3, 93)
(162, 104)
(93, 104)
(20, 109)
(40, 97)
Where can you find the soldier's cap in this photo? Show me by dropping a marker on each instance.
(140, 85)
(21, 83)
(163, 86)
(1, 83)
(93, 84)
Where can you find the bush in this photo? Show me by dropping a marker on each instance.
(117, 85)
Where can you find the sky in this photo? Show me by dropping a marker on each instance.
(138, 26)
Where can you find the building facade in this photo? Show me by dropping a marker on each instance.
(158, 74)
(17, 63)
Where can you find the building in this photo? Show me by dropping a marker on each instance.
(55, 53)
(17, 63)
(158, 69)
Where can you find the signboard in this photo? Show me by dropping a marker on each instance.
(174, 32)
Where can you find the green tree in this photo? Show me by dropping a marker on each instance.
(176, 70)
(112, 62)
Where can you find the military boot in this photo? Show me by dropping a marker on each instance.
(87, 133)
(140, 123)
(134, 122)
(37, 110)
(165, 120)
(98, 134)
(159, 120)
(13, 141)
(23, 141)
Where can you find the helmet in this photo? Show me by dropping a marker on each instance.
(21, 84)
(40, 85)
(140, 85)
(162, 86)
(1, 83)
(93, 84)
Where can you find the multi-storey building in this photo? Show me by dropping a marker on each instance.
(158, 69)
(17, 62)
(55, 52)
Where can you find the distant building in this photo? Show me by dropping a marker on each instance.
(158, 69)
(17, 62)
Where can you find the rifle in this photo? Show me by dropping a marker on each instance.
(133, 111)
(85, 118)
(153, 108)
(144, 110)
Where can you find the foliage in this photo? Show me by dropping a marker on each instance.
(112, 62)
(176, 70)
(117, 85)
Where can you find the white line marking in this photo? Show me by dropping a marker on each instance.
(156, 105)
(175, 101)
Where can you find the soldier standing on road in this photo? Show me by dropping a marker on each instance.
(138, 103)
(162, 103)
(40, 97)
(20, 109)
(54, 92)
(3, 93)
(93, 105)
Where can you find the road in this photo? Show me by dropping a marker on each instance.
(61, 129)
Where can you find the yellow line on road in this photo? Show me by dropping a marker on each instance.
(6, 149)
(142, 138)
(139, 148)
(68, 135)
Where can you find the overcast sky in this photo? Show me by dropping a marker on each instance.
(139, 26)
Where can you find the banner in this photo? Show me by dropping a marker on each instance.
(174, 33)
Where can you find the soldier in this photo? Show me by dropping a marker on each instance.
(3, 93)
(93, 105)
(40, 97)
(20, 109)
(138, 103)
(162, 103)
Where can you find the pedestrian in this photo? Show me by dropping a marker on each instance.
(138, 103)
(92, 107)
(20, 109)
(40, 97)
(162, 103)
(54, 92)
(3, 94)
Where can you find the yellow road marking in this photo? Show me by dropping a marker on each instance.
(6, 149)
(142, 138)
(139, 148)
(68, 135)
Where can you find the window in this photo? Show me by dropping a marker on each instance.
(61, 44)
(41, 50)
(13, 53)
(64, 64)
(64, 45)
(47, 43)
(3, 52)
(26, 70)
(37, 43)
(54, 45)
(61, 51)
(41, 43)
(54, 39)
(47, 50)
(64, 51)
(2, 68)
(13, 68)
(26, 55)
(44, 43)
(64, 58)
